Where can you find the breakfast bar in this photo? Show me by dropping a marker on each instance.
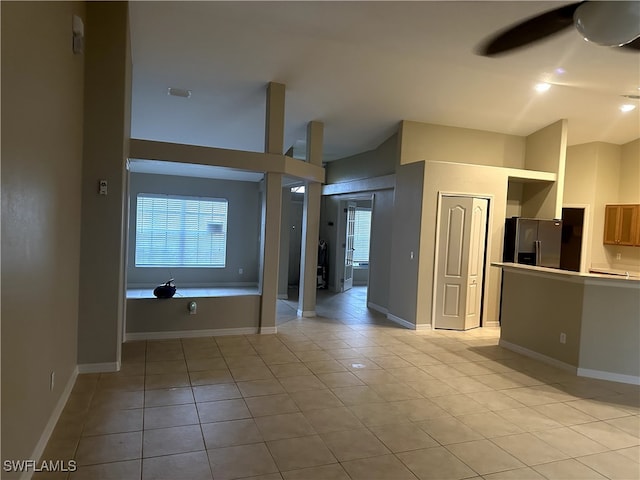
(582, 322)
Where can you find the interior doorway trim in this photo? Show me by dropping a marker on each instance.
(487, 256)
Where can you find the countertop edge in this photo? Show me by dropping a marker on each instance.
(570, 276)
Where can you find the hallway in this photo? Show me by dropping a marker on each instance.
(349, 307)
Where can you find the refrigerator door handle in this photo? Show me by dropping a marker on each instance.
(538, 246)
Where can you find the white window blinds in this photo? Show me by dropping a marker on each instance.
(180, 231)
(361, 236)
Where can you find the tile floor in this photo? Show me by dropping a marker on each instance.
(346, 395)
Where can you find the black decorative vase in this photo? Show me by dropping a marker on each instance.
(166, 290)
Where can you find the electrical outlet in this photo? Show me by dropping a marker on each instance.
(52, 381)
(192, 307)
(618, 256)
(563, 338)
(240, 271)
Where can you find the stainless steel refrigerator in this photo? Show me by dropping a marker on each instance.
(533, 241)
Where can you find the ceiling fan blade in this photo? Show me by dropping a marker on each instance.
(529, 31)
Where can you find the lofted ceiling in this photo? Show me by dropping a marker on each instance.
(360, 67)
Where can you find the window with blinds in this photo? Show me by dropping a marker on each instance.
(180, 231)
(362, 233)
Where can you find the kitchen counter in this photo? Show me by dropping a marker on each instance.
(595, 274)
(619, 273)
(587, 323)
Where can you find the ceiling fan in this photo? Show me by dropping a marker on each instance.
(606, 23)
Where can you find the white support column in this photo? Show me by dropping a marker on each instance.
(285, 228)
(310, 226)
(271, 210)
(315, 134)
(309, 250)
(274, 122)
(270, 254)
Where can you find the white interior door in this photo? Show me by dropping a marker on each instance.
(348, 246)
(460, 262)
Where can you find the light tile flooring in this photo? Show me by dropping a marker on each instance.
(346, 395)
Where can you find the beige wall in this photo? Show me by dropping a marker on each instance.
(536, 325)
(425, 141)
(580, 189)
(472, 180)
(598, 174)
(470, 162)
(545, 148)
(628, 192)
(545, 152)
(42, 114)
(379, 258)
(514, 199)
(407, 228)
(610, 330)
(373, 163)
(599, 317)
(146, 316)
(607, 191)
(106, 115)
(630, 172)
(478, 163)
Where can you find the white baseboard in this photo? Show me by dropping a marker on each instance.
(99, 367)
(51, 424)
(401, 321)
(491, 323)
(212, 332)
(612, 377)
(283, 296)
(538, 356)
(423, 327)
(581, 372)
(306, 313)
(377, 308)
(268, 330)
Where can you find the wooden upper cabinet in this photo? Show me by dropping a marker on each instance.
(621, 225)
(611, 214)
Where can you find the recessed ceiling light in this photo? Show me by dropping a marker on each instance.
(627, 107)
(542, 87)
(179, 92)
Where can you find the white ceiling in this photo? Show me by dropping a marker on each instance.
(360, 67)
